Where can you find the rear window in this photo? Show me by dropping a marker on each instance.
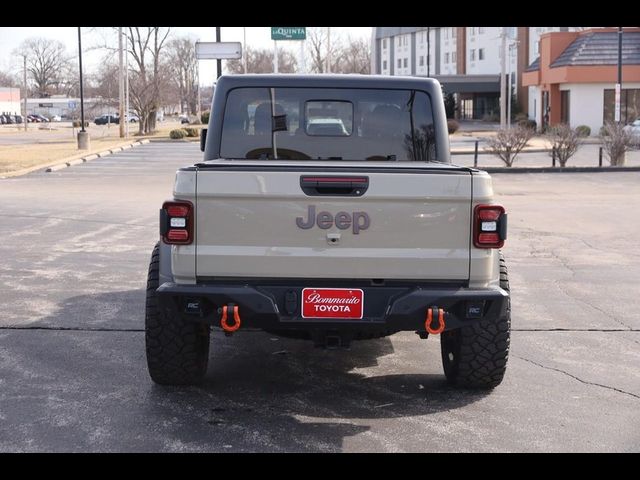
(328, 124)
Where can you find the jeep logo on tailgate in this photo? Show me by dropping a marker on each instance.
(343, 220)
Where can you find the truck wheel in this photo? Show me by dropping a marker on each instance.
(476, 356)
(177, 351)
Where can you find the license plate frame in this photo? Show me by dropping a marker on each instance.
(332, 303)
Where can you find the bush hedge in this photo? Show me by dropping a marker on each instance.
(452, 126)
(177, 134)
(583, 130)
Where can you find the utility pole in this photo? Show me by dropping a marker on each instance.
(503, 55)
(428, 51)
(24, 87)
(275, 56)
(218, 61)
(619, 84)
(329, 50)
(509, 88)
(123, 118)
(126, 85)
(244, 48)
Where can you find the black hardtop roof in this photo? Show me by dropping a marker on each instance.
(326, 81)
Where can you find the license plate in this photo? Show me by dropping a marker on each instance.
(332, 303)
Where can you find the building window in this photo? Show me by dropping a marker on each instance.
(384, 43)
(480, 30)
(453, 32)
(384, 64)
(446, 33)
(405, 62)
(422, 60)
(473, 30)
(446, 57)
(472, 55)
(454, 57)
(629, 105)
(481, 54)
(399, 63)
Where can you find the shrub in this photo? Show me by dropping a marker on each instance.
(565, 140)
(177, 134)
(507, 144)
(191, 132)
(615, 142)
(452, 126)
(205, 117)
(527, 123)
(583, 130)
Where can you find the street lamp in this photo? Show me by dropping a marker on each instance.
(83, 136)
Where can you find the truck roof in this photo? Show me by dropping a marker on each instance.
(326, 80)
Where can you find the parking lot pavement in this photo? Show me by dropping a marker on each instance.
(76, 246)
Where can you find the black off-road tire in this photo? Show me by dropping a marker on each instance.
(476, 356)
(177, 351)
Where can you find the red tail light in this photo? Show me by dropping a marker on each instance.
(176, 222)
(489, 226)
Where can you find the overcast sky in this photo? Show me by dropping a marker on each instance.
(92, 37)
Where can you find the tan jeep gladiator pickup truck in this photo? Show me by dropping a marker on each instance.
(326, 208)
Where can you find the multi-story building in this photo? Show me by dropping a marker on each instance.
(466, 60)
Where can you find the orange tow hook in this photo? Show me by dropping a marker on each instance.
(236, 318)
(434, 323)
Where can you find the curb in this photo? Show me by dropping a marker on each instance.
(558, 169)
(92, 156)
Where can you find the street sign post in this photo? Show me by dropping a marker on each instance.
(288, 33)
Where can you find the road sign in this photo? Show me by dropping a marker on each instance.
(218, 50)
(45, 105)
(72, 104)
(288, 33)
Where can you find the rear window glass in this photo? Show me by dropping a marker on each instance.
(328, 124)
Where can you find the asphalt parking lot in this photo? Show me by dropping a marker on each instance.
(75, 250)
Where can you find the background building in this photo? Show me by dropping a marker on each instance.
(573, 79)
(10, 101)
(466, 60)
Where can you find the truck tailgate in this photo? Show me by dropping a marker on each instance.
(411, 223)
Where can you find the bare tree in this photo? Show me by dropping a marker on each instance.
(48, 65)
(183, 65)
(147, 77)
(354, 57)
(104, 84)
(261, 61)
(507, 144)
(616, 142)
(565, 141)
(8, 80)
(318, 47)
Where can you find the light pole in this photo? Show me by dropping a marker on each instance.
(428, 51)
(83, 136)
(619, 84)
(24, 87)
(218, 61)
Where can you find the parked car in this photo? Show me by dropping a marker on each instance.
(183, 119)
(56, 118)
(40, 118)
(105, 119)
(18, 118)
(133, 118)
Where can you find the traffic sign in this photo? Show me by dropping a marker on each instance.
(288, 33)
(45, 105)
(72, 104)
(218, 50)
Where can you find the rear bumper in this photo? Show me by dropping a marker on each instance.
(387, 309)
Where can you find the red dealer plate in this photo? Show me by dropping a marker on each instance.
(332, 303)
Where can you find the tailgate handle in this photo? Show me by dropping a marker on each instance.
(344, 186)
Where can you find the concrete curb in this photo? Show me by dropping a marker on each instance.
(558, 169)
(87, 158)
